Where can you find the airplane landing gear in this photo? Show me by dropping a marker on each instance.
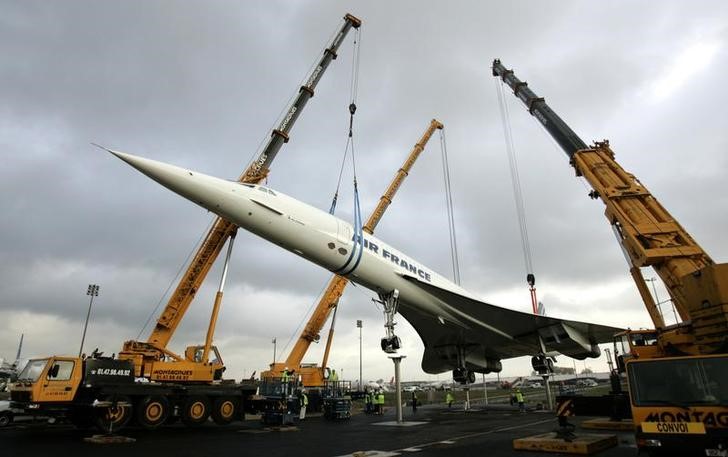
(391, 345)
(542, 365)
(390, 302)
(463, 376)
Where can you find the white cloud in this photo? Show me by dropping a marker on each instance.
(689, 62)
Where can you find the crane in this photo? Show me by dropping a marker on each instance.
(670, 369)
(312, 375)
(151, 358)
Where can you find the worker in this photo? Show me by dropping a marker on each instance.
(414, 401)
(449, 399)
(284, 381)
(380, 403)
(368, 402)
(334, 383)
(521, 400)
(304, 404)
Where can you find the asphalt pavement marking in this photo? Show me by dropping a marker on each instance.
(400, 424)
(473, 435)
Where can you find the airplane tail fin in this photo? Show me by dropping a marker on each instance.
(20, 348)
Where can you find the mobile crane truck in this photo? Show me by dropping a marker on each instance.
(677, 375)
(148, 381)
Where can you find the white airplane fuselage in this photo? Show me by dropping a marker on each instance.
(308, 232)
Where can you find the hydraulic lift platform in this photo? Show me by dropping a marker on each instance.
(584, 443)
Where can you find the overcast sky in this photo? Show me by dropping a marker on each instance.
(201, 84)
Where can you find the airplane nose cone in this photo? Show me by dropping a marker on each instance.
(207, 191)
(163, 173)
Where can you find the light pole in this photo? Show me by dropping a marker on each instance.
(274, 349)
(359, 326)
(93, 291)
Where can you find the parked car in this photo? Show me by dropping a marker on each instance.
(10, 415)
(7, 414)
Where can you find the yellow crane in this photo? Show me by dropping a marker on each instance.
(151, 358)
(677, 374)
(314, 375)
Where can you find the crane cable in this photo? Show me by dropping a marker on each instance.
(518, 196)
(174, 281)
(449, 204)
(353, 92)
(357, 248)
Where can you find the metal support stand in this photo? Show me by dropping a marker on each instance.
(545, 371)
(467, 398)
(398, 386)
(549, 396)
(485, 390)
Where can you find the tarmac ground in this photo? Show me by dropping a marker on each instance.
(434, 430)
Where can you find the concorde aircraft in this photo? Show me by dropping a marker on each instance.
(460, 332)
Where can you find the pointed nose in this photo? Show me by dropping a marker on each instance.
(207, 191)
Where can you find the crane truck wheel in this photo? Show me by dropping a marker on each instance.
(224, 410)
(195, 410)
(115, 417)
(152, 411)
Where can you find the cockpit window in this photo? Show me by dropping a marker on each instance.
(265, 189)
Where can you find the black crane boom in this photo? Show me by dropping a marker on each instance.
(562, 133)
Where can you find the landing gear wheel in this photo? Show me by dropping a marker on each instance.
(224, 410)
(115, 417)
(391, 345)
(471, 377)
(195, 410)
(152, 411)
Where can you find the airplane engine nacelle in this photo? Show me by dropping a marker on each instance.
(482, 364)
(568, 341)
(492, 366)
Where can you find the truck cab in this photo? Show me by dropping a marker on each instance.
(679, 403)
(44, 382)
